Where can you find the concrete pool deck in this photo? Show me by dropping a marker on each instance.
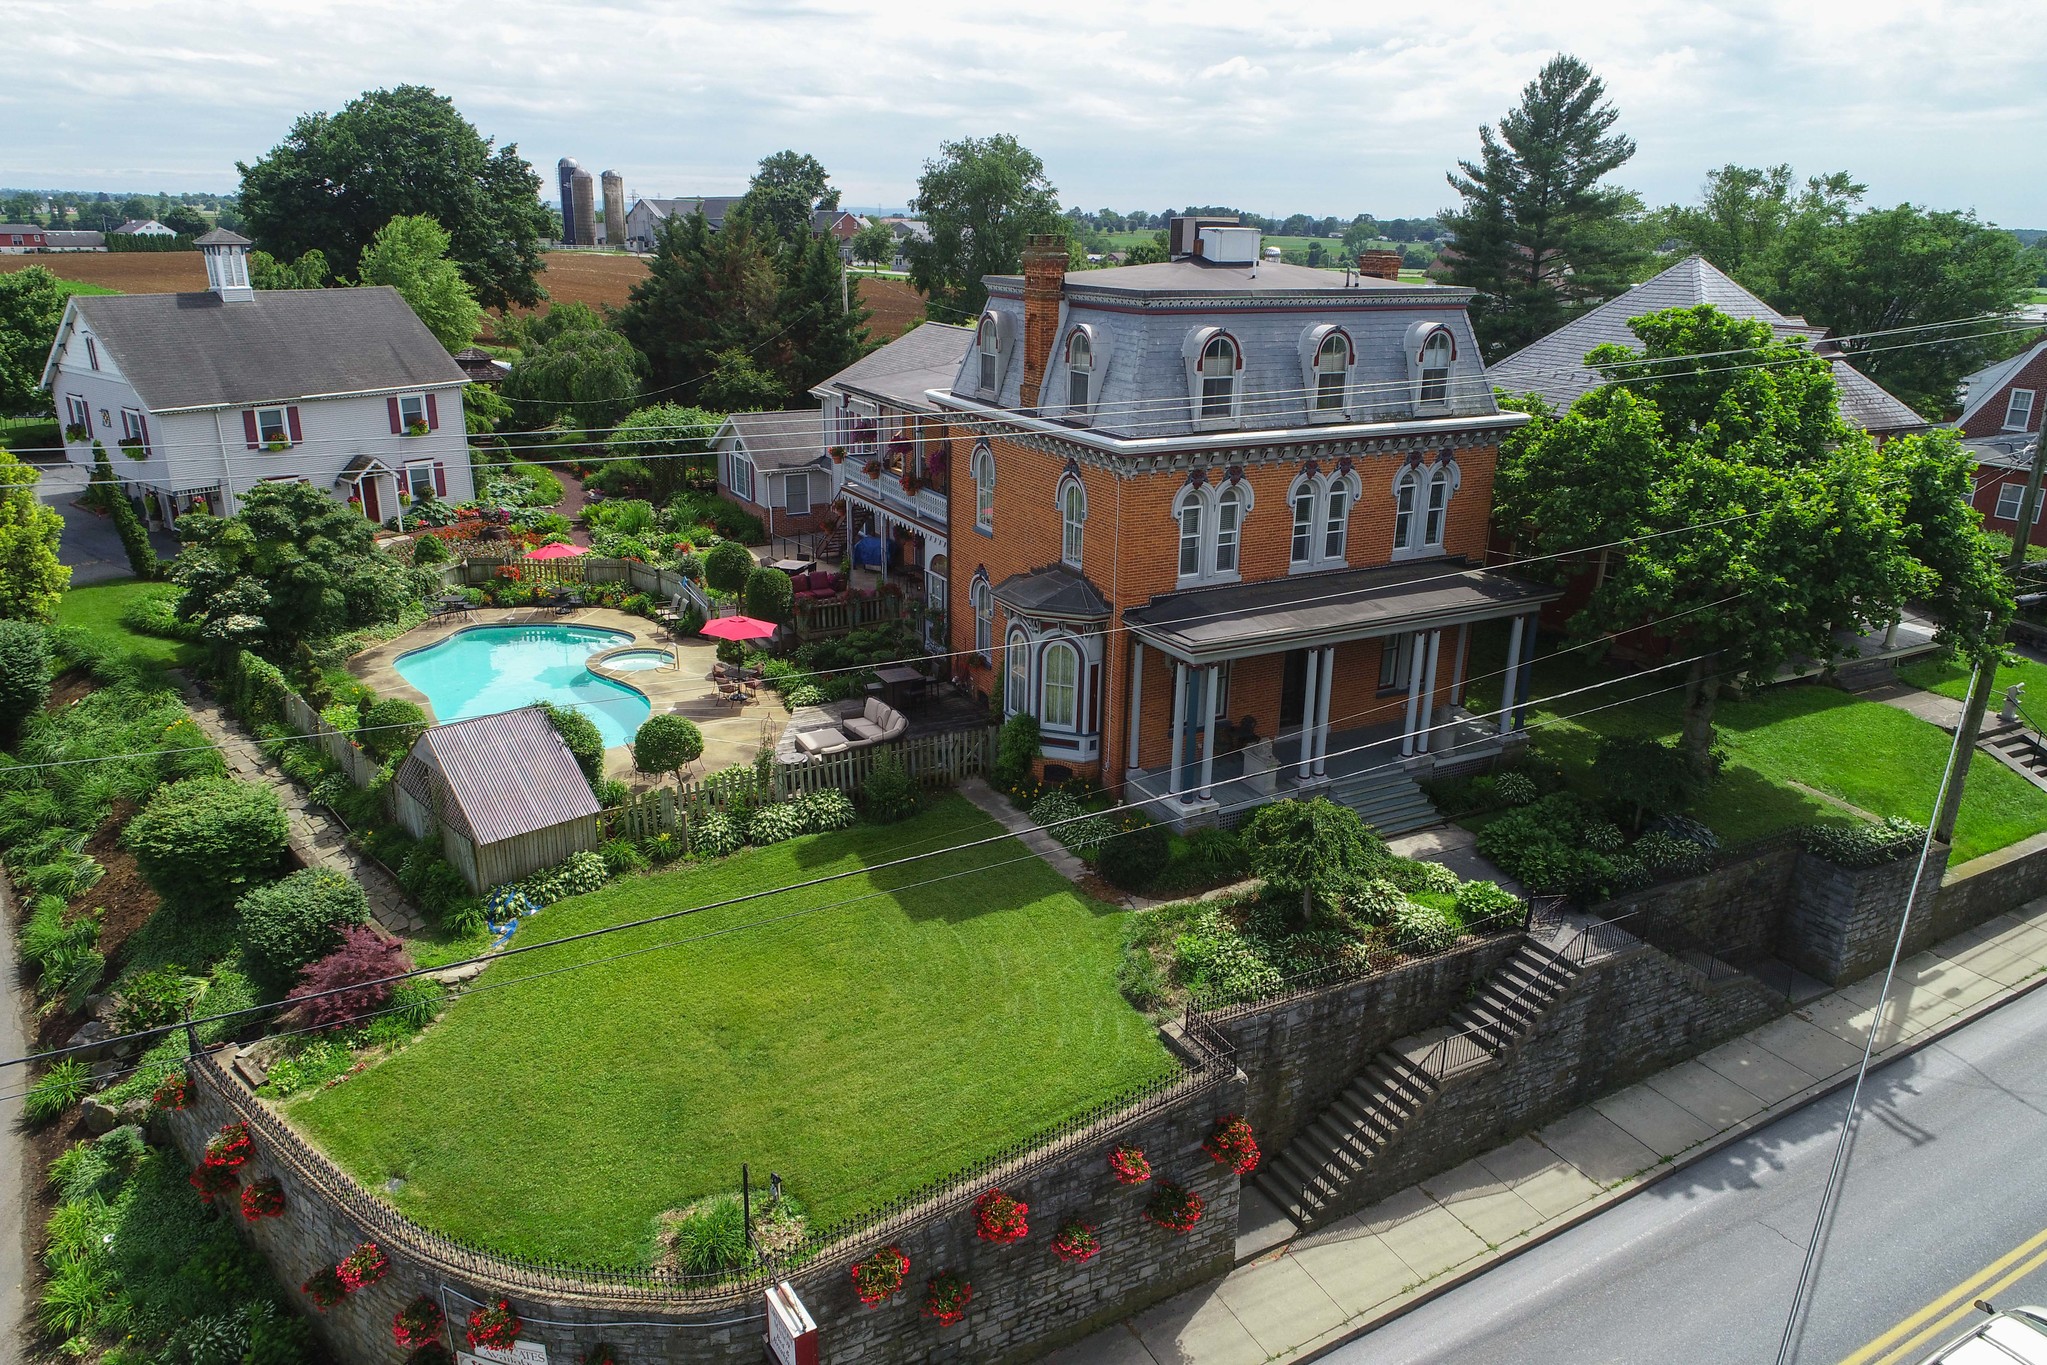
(732, 734)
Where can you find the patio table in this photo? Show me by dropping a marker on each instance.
(792, 567)
(900, 681)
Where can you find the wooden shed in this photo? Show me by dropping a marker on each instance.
(504, 793)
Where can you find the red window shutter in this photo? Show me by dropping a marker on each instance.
(433, 414)
(397, 426)
(440, 479)
(291, 420)
(249, 428)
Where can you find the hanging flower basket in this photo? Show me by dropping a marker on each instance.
(946, 1297)
(263, 1199)
(1232, 1144)
(325, 1289)
(419, 1323)
(495, 1326)
(872, 469)
(1001, 1218)
(838, 453)
(214, 1181)
(1174, 1207)
(171, 1092)
(880, 1277)
(1129, 1165)
(1076, 1242)
(231, 1147)
(363, 1267)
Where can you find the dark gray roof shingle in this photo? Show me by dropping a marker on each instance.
(498, 776)
(1054, 591)
(781, 440)
(927, 356)
(194, 351)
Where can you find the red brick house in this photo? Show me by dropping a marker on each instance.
(1999, 424)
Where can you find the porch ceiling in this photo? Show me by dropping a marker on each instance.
(1208, 625)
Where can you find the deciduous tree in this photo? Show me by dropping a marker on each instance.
(786, 190)
(979, 199)
(410, 254)
(32, 577)
(875, 244)
(668, 438)
(585, 377)
(31, 306)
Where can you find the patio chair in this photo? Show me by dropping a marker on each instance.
(572, 600)
(671, 613)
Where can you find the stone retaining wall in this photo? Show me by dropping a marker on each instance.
(1841, 922)
(1025, 1300)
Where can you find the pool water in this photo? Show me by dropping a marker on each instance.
(640, 660)
(488, 669)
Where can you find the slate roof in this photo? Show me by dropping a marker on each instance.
(195, 351)
(780, 440)
(1190, 275)
(73, 237)
(1554, 367)
(1054, 592)
(1303, 610)
(497, 777)
(925, 357)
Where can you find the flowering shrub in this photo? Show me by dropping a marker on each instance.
(325, 1289)
(1174, 1207)
(213, 1181)
(263, 1199)
(1001, 1218)
(825, 810)
(363, 1267)
(1231, 1143)
(419, 1323)
(231, 1147)
(946, 1297)
(881, 1275)
(1130, 1166)
(495, 1326)
(774, 823)
(172, 1092)
(714, 834)
(1076, 1242)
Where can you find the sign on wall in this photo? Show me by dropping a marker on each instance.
(521, 1353)
(792, 1336)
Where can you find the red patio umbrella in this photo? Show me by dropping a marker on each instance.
(739, 628)
(556, 552)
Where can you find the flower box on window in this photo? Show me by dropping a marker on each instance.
(131, 446)
(76, 432)
(416, 429)
(276, 443)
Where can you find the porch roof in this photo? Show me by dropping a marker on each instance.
(1205, 625)
(1054, 592)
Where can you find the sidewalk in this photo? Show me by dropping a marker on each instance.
(1340, 1281)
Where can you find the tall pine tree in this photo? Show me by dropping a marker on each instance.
(824, 323)
(706, 293)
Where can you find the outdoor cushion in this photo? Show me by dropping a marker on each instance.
(877, 710)
(862, 728)
(828, 740)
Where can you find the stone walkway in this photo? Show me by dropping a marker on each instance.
(317, 838)
(1028, 834)
(1931, 707)
(1342, 1280)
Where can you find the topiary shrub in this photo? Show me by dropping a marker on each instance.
(390, 728)
(727, 566)
(292, 922)
(25, 671)
(769, 595)
(428, 551)
(667, 744)
(825, 810)
(1134, 859)
(715, 834)
(771, 824)
(889, 794)
(1311, 852)
(580, 734)
(1016, 748)
(204, 841)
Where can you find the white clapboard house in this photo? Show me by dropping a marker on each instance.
(200, 397)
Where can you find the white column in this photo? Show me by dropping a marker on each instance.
(1457, 665)
(1428, 708)
(1513, 678)
(1179, 726)
(1207, 730)
(1524, 674)
(1416, 650)
(1328, 685)
(1136, 713)
(1309, 695)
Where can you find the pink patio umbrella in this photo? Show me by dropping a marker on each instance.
(556, 552)
(739, 628)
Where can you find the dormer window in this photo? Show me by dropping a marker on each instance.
(1332, 372)
(1080, 372)
(988, 346)
(1437, 354)
(2018, 410)
(1218, 378)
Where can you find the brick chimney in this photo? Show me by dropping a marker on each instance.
(1044, 263)
(1383, 265)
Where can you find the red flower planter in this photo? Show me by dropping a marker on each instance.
(231, 1147)
(325, 1289)
(1174, 1207)
(1130, 1166)
(496, 1326)
(362, 1267)
(1232, 1144)
(172, 1092)
(419, 1323)
(213, 1181)
(1076, 1243)
(1001, 1218)
(880, 1277)
(946, 1297)
(263, 1199)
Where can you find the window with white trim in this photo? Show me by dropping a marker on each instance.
(1332, 372)
(1405, 490)
(1016, 694)
(1439, 503)
(419, 479)
(2018, 410)
(272, 427)
(1437, 354)
(1059, 704)
(81, 412)
(1229, 517)
(796, 494)
(411, 411)
(988, 345)
(1190, 534)
(1218, 378)
(92, 353)
(1210, 521)
(1421, 507)
(982, 596)
(2010, 496)
(131, 424)
(1072, 518)
(1336, 521)
(1396, 662)
(1080, 372)
(983, 468)
(1303, 548)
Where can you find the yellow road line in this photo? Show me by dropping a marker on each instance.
(1954, 1303)
(1936, 1331)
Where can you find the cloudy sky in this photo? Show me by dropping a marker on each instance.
(1272, 107)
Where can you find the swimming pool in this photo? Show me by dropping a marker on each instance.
(639, 660)
(487, 669)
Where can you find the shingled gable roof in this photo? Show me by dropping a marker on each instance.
(494, 778)
(195, 351)
(1979, 388)
(1554, 367)
(927, 356)
(780, 440)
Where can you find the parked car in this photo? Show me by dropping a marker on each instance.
(2016, 1336)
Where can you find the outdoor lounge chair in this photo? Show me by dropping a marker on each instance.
(877, 723)
(671, 613)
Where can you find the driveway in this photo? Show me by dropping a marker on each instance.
(90, 544)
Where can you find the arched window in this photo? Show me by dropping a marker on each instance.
(1437, 354)
(1059, 706)
(1072, 516)
(1332, 372)
(988, 344)
(1190, 533)
(1336, 521)
(1421, 506)
(982, 596)
(983, 469)
(1218, 377)
(1229, 517)
(1439, 502)
(1080, 372)
(1016, 693)
(1405, 491)
(1303, 549)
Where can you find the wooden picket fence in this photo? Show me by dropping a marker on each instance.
(362, 770)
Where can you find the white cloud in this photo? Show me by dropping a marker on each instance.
(1130, 104)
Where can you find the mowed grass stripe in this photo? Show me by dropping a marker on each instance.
(859, 1051)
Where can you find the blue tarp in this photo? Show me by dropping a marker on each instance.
(870, 552)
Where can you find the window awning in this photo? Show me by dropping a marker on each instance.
(1308, 611)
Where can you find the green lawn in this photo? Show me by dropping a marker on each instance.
(97, 609)
(1951, 679)
(858, 1052)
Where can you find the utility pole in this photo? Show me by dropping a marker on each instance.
(1981, 686)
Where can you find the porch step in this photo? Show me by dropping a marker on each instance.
(2019, 749)
(1389, 801)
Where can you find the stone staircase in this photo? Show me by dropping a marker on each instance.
(1309, 1178)
(1388, 800)
(2017, 747)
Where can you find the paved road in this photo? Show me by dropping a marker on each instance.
(1948, 1175)
(90, 544)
